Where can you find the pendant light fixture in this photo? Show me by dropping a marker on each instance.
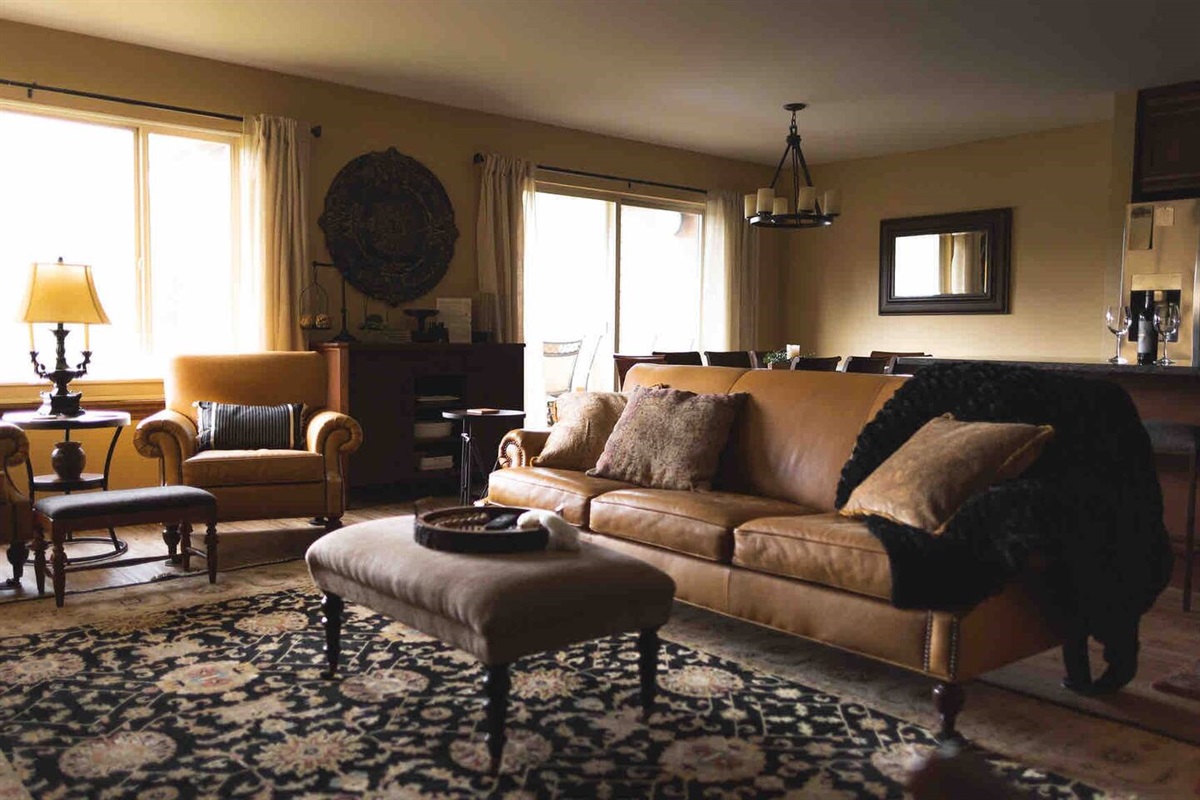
(800, 207)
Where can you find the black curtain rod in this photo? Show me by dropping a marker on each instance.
(30, 88)
(479, 159)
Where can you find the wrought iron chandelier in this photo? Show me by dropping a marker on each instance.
(801, 208)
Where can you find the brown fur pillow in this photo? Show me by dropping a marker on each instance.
(583, 423)
(669, 439)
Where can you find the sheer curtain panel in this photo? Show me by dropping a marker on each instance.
(276, 174)
(729, 318)
(506, 191)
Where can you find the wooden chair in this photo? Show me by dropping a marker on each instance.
(687, 357)
(873, 366)
(829, 364)
(728, 358)
(558, 369)
(758, 358)
(624, 363)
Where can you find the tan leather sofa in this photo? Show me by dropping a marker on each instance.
(767, 545)
(16, 522)
(254, 484)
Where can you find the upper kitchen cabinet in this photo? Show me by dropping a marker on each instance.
(1166, 162)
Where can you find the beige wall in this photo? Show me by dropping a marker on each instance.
(1067, 199)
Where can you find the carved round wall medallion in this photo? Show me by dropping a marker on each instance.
(389, 226)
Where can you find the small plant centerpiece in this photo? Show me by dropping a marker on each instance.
(777, 359)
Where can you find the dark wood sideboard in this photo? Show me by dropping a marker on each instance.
(390, 388)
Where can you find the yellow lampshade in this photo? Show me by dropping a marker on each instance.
(62, 293)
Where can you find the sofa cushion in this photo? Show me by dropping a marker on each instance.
(697, 523)
(924, 483)
(583, 423)
(828, 549)
(550, 489)
(669, 439)
(253, 467)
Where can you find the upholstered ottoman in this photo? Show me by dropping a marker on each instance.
(495, 607)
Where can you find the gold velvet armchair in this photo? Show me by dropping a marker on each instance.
(15, 517)
(254, 484)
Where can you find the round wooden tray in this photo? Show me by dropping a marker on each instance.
(462, 530)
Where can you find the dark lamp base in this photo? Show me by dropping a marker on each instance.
(61, 405)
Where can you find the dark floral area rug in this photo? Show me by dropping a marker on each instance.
(227, 701)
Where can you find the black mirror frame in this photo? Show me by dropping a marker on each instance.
(996, 222)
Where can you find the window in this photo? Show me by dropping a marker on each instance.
(621, 274)
(152, 207)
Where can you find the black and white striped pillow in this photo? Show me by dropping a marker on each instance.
(227, 426)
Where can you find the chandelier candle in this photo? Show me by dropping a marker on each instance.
(771, 211)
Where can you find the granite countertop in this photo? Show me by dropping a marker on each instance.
(1092, 367)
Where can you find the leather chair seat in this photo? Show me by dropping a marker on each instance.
(699, 524)
(828, 549)
(541, 487)
(253, 468)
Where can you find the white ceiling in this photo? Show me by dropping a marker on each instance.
(708, 75)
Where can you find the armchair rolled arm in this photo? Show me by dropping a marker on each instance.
(170, 437)
(519, 446)
(14, 445)
(333, 434)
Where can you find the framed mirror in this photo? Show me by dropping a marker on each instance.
(945, 263)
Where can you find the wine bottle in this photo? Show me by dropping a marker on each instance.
(1147, 337)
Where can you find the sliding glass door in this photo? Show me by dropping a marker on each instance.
(605, 274)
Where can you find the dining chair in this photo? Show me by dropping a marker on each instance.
(688, 357)
(758, 358)
(867, 364)
(624, 363)
(829, 364)
(728, 358)
(558, 369)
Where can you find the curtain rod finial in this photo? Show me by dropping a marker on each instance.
(315, 130)
(478, 159)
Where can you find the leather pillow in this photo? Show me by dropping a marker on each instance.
(928, 479)
(228, 426)
(583, 423)
(669, 439)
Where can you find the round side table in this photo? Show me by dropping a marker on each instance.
(68, 460)
(469, 454)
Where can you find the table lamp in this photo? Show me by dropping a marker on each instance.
(61, 293)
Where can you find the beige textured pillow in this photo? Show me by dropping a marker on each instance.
(583, 423)
(669, 439)
(928, 479)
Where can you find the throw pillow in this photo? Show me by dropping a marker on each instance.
(669, 439)
(583, 423)
(928, 479)
(228, 426)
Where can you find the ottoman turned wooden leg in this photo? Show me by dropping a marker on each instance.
(332, 606)
(648, 668)
(496, 683)
(170, 535)
(185, 545)
(210, 550)
(39, 557)
(58, 561)
(948, 699)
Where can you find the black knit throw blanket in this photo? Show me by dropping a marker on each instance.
(1091, 504)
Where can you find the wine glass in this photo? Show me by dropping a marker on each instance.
(1166, 322)
(1118, 319)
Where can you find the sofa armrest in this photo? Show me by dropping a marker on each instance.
(518, 447)
(333, 434)
(14, 445)
(170, 437)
